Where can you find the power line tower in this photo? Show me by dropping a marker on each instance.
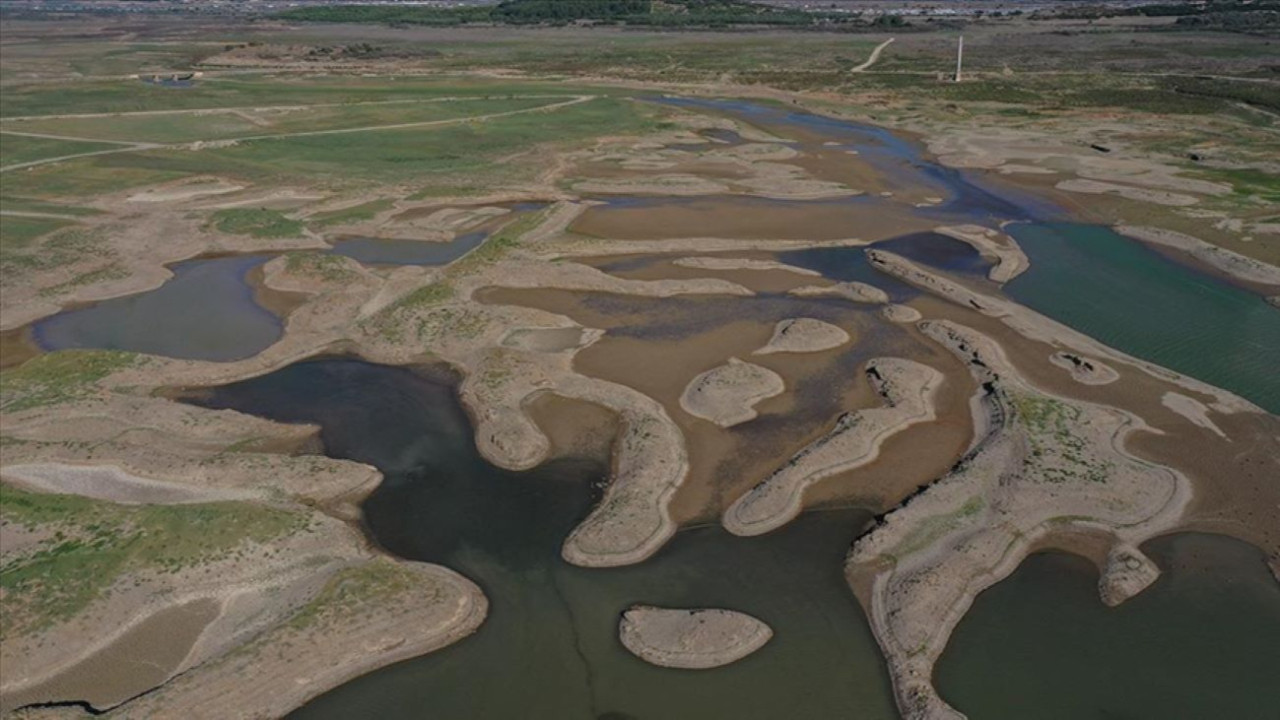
(959, 57)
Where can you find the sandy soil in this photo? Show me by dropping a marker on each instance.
(804, 335)
(727, 263)
(691, 639)
(854, 290)
(1010, 260)
(725, 395)
(901, 313)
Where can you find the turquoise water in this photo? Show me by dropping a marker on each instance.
(1202, 643)
(1136, 300)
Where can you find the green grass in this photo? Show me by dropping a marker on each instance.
(17, 149)
(53, 244)
(29, 205)
(1246, 182)
(358, 590)
(18, 232)
(75, 180)
(331, 268)
(188, 127)
(92, 544)
(116, 96)
(256, 222)
(356, 213)
(60, 377)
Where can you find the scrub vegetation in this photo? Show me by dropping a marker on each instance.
(60, 377)
(258, 222)
(86, 546)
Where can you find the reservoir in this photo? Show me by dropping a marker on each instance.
(549, 648)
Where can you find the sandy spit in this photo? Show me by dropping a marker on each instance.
(907, 389)
(723, 263)
(854, 290)
(1010, 260)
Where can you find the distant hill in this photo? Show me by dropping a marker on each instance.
(660, 13)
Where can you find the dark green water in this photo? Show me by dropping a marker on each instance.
(1202, 643)
(549, 648)
(1136, 300)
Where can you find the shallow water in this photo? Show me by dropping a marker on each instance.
(381, 251)
(1202, 642)
(206, 311)
(1136, 300)
(549, 648)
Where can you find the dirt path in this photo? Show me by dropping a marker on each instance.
(875, 55)
(135, 146)
(263, 108)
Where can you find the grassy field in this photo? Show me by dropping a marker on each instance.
(15, 149)
(215, 125)
(59, 377)
(424, 156)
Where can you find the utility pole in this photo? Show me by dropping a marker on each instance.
(959, 57)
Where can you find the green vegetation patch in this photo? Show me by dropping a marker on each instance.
(18, 232)
(357, 590)
(29, 205)
(257, 222)
(1058, 452)
(18, 149)
(88, 545)
(330, 268)
(356, 213)
(60, 377)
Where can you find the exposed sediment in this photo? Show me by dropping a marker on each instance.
(854, 290)
(1191, 409)
(1041, 465)
(906, 388)
(901, 313)
(1084, 370)
(728, 263)
(1010, 260)
(725, 395)
(804, 335)
(691, 639)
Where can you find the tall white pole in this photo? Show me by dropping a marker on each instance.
(959, 57)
